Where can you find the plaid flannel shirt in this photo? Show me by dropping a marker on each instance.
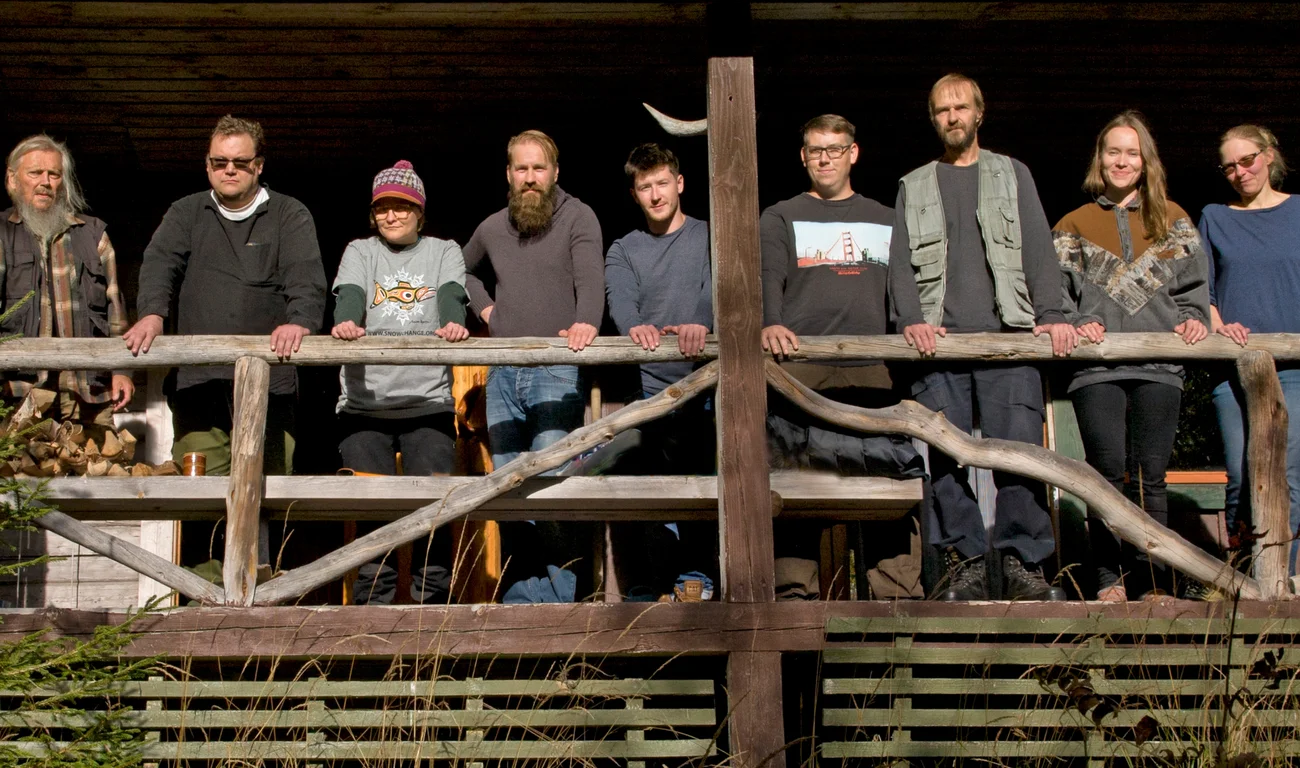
(61, 302)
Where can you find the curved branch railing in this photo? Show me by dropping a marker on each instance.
(1129, 521)
(1254, 363)
(474, 492)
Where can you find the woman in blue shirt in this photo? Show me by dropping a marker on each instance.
(1254, 246)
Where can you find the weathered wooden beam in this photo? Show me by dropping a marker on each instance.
(328, 497)
(349, 16)
(1023, 347)
(755, 722)
(133, 557)
(473, 492)
(1270, 497)
(1123, 517)
(167, 351)
(244, 493)
(490, 17)
(616, 628)
(744, 501)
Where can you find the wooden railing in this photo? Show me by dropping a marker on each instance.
(252, 359)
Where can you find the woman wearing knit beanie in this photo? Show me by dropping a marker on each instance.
(399, 282)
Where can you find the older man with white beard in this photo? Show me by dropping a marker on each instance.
(542, 255)
(52, 249)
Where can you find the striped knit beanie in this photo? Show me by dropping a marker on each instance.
(399, 181)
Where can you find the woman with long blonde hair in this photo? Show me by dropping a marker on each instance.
(1254, 246)
(1131, 262)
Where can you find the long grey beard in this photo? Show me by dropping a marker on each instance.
(44, 225)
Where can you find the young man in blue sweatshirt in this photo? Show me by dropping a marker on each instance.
(658, 282)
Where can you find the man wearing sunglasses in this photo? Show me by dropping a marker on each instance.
(235, 259)
(825, 256)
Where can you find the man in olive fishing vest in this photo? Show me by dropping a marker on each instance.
(51, 249)
(972, 252)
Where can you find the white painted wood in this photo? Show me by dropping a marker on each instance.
(153, 429)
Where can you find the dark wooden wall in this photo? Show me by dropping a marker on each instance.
(345, 89)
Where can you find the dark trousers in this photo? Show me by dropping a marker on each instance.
(1009, 403)
(203, 417)
(428, 447)
(1149, 410)
(427, 444)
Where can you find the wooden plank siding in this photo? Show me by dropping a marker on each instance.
(76, 578)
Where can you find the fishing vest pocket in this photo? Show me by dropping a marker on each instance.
(94, 284)
(1006, 230)
(928, 261)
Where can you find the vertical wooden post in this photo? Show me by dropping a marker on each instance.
(244, 494)
(1270, 497)
(744, 494)
(756, 721)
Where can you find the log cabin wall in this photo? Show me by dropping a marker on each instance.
(345, 89)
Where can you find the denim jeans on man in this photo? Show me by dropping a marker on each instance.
(1228, 400)
(529, 409)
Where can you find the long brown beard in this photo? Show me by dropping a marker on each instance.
(44, 225)
(532, 215)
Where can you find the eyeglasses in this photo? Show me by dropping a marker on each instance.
(400, 210)
(244, 164)
(1242, 163)
(833, 152)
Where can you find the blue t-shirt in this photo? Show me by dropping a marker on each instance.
(1255, 265)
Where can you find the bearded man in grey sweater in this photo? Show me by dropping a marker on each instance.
(535, 268)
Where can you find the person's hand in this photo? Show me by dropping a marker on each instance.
(645, 335)
(452, 332)
(690, 338)
(779, 340)
(347, 331)
(287, 339)
(139, 336)
(1094, 332)
(123, 390)
(1235, 331)
(1192, 330)
(486, 313)
(1064, 337)
(579, 335)
(922, 336)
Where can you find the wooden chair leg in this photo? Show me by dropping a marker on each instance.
(403, 566)
(350, 580)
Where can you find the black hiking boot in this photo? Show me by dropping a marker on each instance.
(968, 579)
(1027, 582)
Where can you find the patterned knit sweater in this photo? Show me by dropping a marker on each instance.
(1114, 275)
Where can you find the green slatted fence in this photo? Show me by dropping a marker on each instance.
(473, 721)
(1090, 691)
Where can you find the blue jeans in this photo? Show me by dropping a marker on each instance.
(1229, 403)
(531, 408)
(527, 410)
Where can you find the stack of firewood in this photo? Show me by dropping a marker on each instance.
(50, 448)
